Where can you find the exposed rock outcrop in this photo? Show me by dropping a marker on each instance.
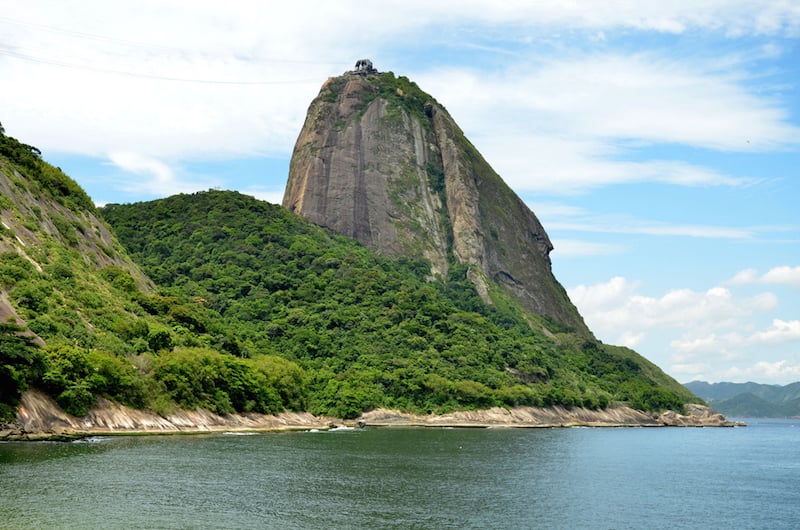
(381, 161)
(39, 418)
(696, 416)
(619, 416)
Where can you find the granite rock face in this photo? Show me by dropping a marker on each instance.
(381, 161)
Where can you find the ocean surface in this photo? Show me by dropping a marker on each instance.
(412, 478)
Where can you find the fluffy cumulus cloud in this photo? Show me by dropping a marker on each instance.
(593, 300)
(783, 275)
(779, 331)
(617, 307)
(716, 334)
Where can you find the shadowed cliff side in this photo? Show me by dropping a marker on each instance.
(381, 161)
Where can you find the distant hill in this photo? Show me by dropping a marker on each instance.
(753, 400)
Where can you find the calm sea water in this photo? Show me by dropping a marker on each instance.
(412, 478)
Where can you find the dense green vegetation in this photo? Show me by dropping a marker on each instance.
(103, 333)
(368, 331)
(105, 338)
(20, 363)
(400, 93)
(255, 309)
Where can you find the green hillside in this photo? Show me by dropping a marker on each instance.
(368, 331)
(65, 279)
(243, 306)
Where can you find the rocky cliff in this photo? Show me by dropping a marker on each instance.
(381, 161)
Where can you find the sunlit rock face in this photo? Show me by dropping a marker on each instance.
(381, 161)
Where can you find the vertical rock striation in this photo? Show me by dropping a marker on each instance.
(381, 161)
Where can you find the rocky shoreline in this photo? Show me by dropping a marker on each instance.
(39, 418)
(551, 417)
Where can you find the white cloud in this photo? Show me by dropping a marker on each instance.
(716, 334)
(271, 196)
(571, 123)
(688, 345)
(631, 339)
(628, 225)
(570, 248)
(567, 161)
(616, 311)
(665, 100)
(686, 372)
(545, 210)
(160, 172)
(779, 331)
(781, 372)
(735, 17)
(782, 275)
(112, 72)
(568, 111)
(565, 217)
(594, 299)
(154, 176)
(744, 277)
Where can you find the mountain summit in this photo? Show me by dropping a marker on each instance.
(383, 162)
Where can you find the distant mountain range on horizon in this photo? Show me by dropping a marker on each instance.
(750, 400)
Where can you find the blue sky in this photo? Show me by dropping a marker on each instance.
(658, 142)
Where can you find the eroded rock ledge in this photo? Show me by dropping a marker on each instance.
(40, 418)
(620, 416)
